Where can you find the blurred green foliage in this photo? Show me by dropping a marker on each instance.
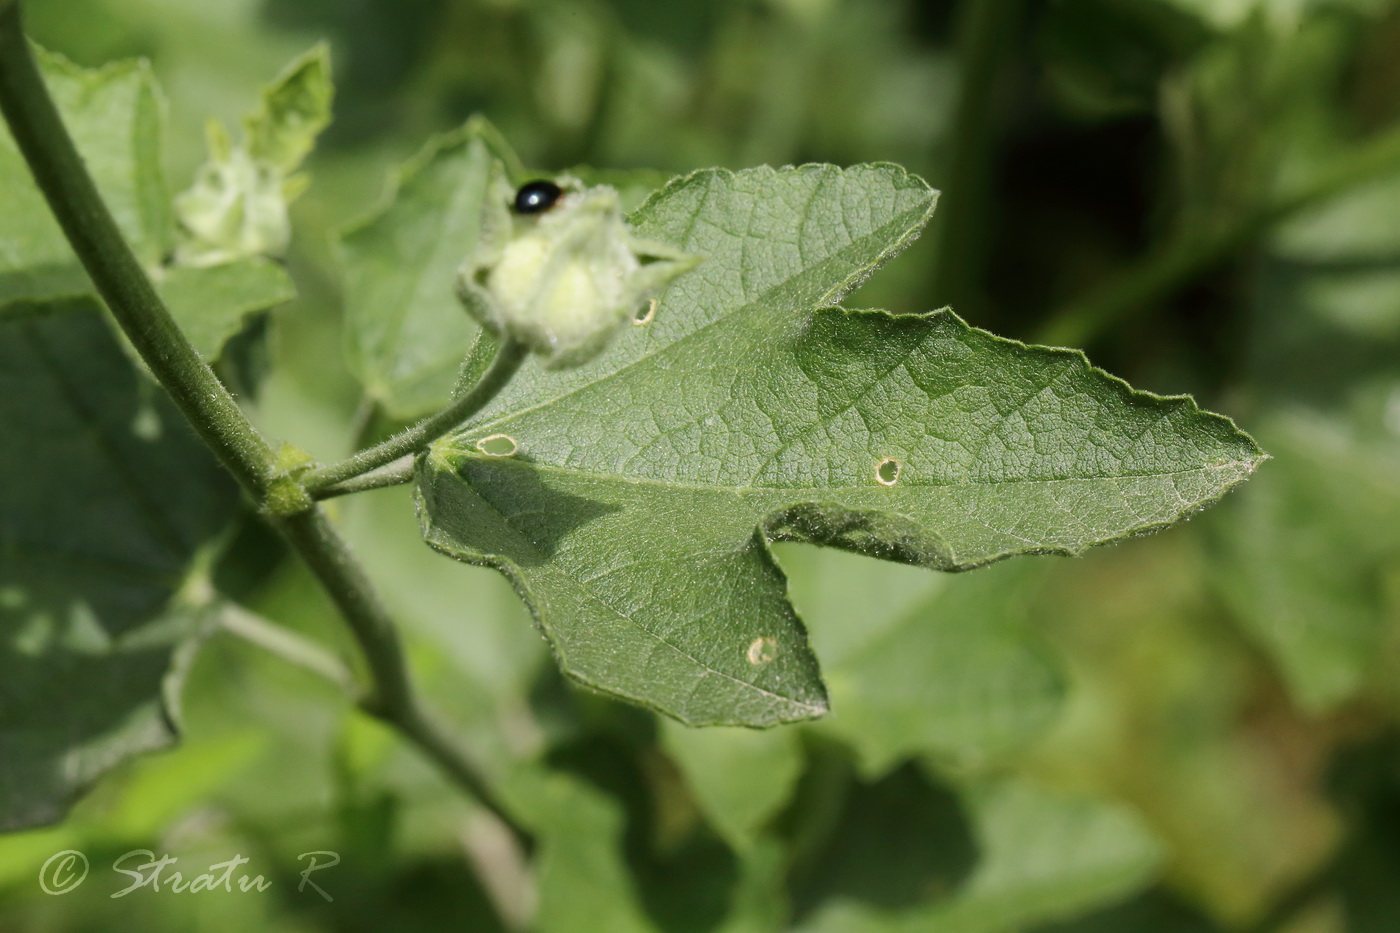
(1187, 733)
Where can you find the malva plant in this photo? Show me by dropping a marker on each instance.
(649, 402)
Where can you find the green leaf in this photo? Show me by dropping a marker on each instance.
(295, 108)
(1041, 856)
(1308, 553)
(592, 877)
(740, 777)
(114, 115)
(212, 303)
(635, 512)
(407, 331)
(940, 664)
(105, 500)
(584, 885)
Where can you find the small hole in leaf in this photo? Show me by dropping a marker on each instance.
(498, 445)
(645, 314)
(762, 650)
(887, 471)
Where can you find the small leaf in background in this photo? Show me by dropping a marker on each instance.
(886, 846)
(407, 331)
(740, 777)
(105, 500)
(295, 108)
(920, 663)
(211, 303)
(639, 492)
(1041, 856)
(584, 884)
(1307, 556)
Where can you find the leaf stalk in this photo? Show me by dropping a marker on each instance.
(503, 368)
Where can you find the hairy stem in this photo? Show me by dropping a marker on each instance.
(117, 275)
(505, 365)
(1184, 258)
(392, 474)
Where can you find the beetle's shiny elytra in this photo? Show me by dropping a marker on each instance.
(536, 197)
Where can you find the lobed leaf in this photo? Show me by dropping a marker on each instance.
(635, 510)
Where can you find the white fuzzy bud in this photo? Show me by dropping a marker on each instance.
(563, 280)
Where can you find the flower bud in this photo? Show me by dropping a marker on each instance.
(237, 207)
(562, 278)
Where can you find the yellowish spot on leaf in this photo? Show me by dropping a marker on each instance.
(887, 471)
(762, 650)
(498, 445)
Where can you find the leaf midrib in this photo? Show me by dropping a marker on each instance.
(1244, 466)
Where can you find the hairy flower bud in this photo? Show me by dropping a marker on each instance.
(236, 207)
(564, 273)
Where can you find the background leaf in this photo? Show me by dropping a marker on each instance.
(1041, 856)
(945, 665)
(105, 501)
(407, 331)
(740, 777)
(212, 303)
(296, 107)
(114, 114)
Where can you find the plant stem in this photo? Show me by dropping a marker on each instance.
(393, 700)
(987, 31)
(287, 645)
(503, 367)
(120, 280)
(1184, 258)
(392, 474)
